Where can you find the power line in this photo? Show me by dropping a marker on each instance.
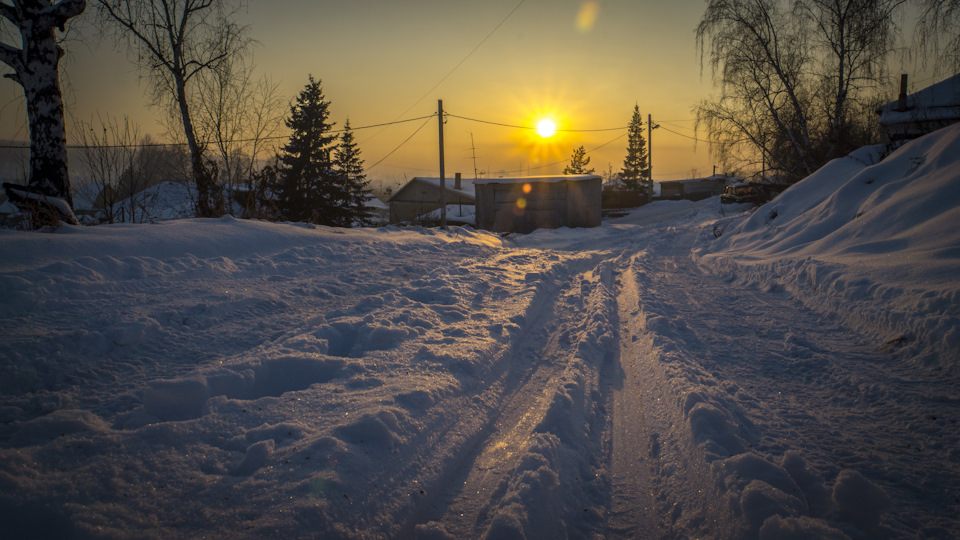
(501, 124)
(618, 137)
(469, 54)
(403, 143)
(151, 145)
(685, 136)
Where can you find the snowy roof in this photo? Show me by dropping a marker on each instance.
(374, 202)
(466, 185)
(939, 102)
(538, 179)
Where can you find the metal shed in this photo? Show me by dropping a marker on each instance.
(525, 204)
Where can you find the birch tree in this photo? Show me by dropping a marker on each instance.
(176, 41)
(938, 33)
(795, 79)
(35, 62)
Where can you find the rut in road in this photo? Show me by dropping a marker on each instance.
(548, 407)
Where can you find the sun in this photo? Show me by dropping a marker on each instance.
(546, 128)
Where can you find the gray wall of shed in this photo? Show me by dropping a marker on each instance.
(418, 199)
(546, 206)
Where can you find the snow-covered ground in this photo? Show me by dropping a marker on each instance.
(683, 371)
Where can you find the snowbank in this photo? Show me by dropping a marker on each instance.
(872, 243)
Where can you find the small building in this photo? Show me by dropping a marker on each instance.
(421, 195)
(377, 211)
(694, 189)
(911, 116)
(528, 203)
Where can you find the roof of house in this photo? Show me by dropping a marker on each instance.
(373, 202)
(938, 103)
(466, 186)
(538, 179)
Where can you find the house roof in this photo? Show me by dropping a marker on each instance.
(939, 102)
(538, 179)
(375, 203)
(466, 186)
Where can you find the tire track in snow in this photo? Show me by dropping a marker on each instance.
(467, 498)
(660, 485)
(632, 439)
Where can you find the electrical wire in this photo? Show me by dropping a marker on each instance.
(151, 145)
(469, 54)
(685, 136)
(501, 124)
(617, 138)
(405, 141)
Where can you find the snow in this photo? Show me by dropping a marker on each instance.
(688, 370)
(939, 102)
(460, 213)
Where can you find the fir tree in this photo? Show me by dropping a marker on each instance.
(635, 173)
(306, 188)
(351, 180)
(578, 162)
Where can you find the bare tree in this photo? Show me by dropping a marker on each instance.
(796, 79)
(938, 33)
(176, 41)
(241, 117)
(35, 66)
(853, 39)
(122, 165)
(108, 149)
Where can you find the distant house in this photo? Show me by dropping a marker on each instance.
(923, 112)
(421, 196)
(695, 189)
(377, 211)
(528, 203)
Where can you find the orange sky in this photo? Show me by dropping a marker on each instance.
(584, 63)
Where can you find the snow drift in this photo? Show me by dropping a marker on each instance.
(874, 243)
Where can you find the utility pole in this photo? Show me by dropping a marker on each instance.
(650, 127)
(473, 147)
(443, 183)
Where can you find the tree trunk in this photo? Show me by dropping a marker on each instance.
(204, 209)
(41, 87)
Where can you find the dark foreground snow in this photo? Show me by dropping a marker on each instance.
(784, 373)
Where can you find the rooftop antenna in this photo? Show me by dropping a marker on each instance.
(473, 148)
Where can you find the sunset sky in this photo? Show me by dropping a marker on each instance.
(583, 64)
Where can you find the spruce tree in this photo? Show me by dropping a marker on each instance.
(350, 180)
(635, 173)
(578, 162)
(306, 188)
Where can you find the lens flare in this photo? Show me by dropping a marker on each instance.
(587, 16)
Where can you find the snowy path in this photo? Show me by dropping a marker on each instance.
(416, 383)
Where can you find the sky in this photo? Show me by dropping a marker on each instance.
(585, 64)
